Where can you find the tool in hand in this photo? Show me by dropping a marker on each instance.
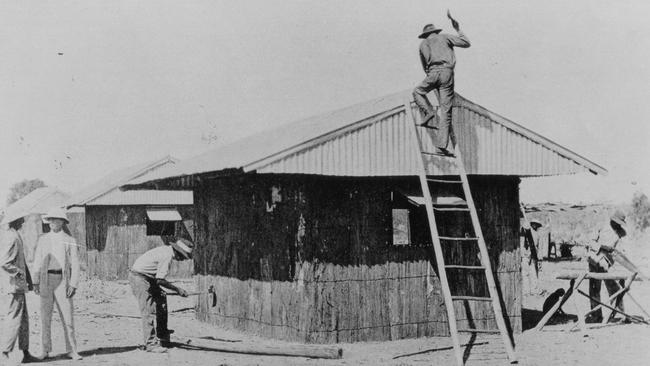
(210, 292)
(454, 23)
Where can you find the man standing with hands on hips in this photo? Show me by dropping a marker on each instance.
(56, 277)
(16, 281)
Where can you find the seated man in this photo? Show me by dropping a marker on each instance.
(147, 278)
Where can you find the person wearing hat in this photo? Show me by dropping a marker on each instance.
(438, 62)
(15, 281)
(600, 259)
(147, 278)
(56, 277)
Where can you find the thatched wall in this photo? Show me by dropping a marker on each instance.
(312, 266)
(117, 235)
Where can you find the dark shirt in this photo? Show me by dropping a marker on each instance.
(437, 50)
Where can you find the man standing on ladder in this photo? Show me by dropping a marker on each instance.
(438, 61)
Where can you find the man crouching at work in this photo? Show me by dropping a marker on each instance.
(147, 278)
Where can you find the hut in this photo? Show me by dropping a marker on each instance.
(31, 207)
(315, 231)
(119, 226)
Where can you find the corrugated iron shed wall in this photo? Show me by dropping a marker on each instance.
(385, 146)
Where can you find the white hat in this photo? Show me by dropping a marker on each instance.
(55, 213)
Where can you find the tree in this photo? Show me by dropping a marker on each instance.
(23, 188)
(640, 211)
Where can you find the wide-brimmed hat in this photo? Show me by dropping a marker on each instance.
(184, 247)
(619, 218)
(55, 213)
(428, 29)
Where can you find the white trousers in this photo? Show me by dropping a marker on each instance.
(53, 292)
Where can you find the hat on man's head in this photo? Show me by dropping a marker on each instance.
(619, 218)
(56, 213)
(184, 247)
(536, 222)
(428, 29)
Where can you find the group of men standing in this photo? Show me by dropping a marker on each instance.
(55, 279)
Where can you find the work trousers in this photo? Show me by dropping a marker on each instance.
(16, 323)
(153, 307)
(595, 286)
(53, 292)
(441, 81)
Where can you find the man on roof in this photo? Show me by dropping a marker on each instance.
(438, 62)
(147, 278)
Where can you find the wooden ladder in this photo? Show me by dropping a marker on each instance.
(478, 239)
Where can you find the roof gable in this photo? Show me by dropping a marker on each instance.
(38, 201)
(375, 139)
(105, 191)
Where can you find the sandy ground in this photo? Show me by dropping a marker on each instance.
(106, 339)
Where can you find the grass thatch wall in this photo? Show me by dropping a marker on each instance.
(258, 235)
(117, 235)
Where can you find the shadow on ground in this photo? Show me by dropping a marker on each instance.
(531, 317)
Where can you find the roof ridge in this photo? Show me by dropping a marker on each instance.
(120, 182)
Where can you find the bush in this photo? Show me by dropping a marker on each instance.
(640, 215)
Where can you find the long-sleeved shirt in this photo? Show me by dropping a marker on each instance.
(437, 50)
(605, 236)
(15, 273)
(57, 251)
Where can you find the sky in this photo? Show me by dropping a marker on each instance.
(88, 87)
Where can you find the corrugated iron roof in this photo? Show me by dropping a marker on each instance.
(38, 201)
(106, 190)
(375, 139)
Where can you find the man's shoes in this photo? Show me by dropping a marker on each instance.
(29, 358)
(165, 343)
(444, 152)
(593, 319)
(74, 356)
(429, 120)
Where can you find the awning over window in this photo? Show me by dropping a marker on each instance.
(438, 200)
(163, 214)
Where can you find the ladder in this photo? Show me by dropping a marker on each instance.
(478, 239)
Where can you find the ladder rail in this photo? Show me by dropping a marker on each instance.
(479, 238)
(485, 258)
(451, 314)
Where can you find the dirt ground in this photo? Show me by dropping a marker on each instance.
(106, 339)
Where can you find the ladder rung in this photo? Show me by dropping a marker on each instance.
(451, 238)
(478, 331)
(437, 208)
(444, 181)
(471, 298)
(457, 266)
